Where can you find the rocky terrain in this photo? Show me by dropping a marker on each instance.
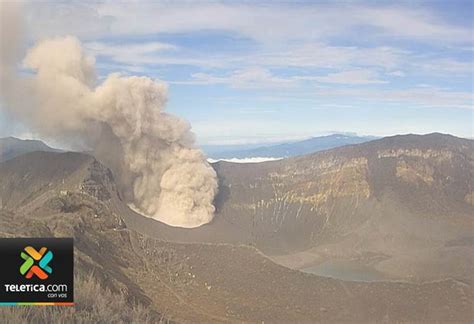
(401, 206)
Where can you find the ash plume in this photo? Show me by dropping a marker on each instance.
(151, 153)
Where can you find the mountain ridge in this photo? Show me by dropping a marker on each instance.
(11, 147)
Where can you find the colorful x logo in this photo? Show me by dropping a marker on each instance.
(29, 268)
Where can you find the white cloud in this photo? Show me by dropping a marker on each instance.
(145, 53)
(261, 78)
(445, 65)
(289, 35)
(355, 61)
(352, 77)
(246, 160)
(261, 22)
(421, 96)
(320, 55)
(55, 18)
(129, 53)
(413, 24)
(315, 55)
(303, 37)
(248, 78)
(397, 73)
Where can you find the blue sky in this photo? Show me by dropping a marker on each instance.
(262, 71)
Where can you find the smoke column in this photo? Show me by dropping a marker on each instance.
(150, 152)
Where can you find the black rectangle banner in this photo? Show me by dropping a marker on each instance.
(36, 271)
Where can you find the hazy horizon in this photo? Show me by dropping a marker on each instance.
(235, 145)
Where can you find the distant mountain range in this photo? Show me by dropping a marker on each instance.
(307, 146)
(11, 147)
